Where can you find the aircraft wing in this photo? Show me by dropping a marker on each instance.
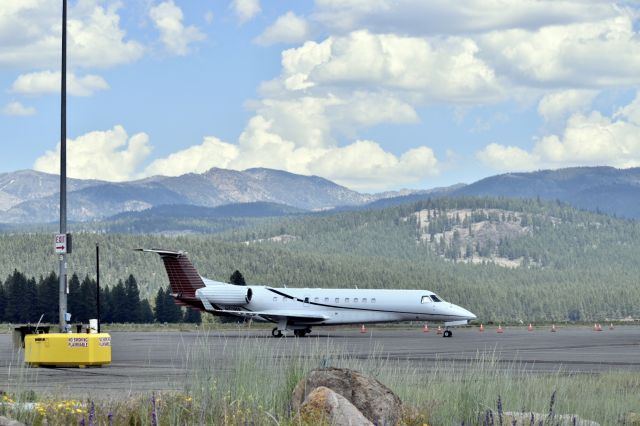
(301, 316)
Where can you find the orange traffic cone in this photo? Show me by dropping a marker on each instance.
(553, 328)
(500, 330)
(530, 328)
(363, 329)
(595, 327)
(439, 330)
(611, 326)
(599, 327)
(426, 328)
(481, 328)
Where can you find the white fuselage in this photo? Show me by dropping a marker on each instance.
(332, 306)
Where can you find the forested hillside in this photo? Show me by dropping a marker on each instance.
(563, 264)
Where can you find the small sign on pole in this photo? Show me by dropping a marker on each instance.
(62, 243)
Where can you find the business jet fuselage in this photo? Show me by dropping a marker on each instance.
(299, 309)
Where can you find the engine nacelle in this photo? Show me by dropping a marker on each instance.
(225, 295)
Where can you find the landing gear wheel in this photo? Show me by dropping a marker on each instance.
(276, 333)
(447, 333)
(302, 333)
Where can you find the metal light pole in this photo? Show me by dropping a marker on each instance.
(98, 285)
(63, 169)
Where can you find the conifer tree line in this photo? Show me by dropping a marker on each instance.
(25, 300)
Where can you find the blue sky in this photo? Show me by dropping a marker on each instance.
(373, 94)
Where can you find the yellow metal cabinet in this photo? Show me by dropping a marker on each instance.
(67, 349)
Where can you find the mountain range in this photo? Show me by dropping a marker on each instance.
(28, 196)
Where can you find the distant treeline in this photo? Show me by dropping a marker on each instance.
(25, 300)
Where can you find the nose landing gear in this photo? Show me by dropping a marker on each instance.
(447, 333)
(299, 332)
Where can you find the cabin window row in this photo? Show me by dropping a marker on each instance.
(336, 300)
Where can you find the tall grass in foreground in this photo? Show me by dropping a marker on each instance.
(249, 380)
(262, 374)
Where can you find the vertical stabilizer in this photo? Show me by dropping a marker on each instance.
(184, 280)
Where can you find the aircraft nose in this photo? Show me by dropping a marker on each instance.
(467, 314)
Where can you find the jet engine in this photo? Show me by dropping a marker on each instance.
(225, 295)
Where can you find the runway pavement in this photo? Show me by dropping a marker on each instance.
(145, 361)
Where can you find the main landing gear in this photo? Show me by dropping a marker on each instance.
(447, 333)
(300, 332)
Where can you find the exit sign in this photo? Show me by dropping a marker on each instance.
(62, 243)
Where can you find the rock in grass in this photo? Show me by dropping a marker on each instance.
(373, 399)
(5, 421)
(633, 419)
(323, 405)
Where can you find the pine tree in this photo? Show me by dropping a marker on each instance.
(146, 314)
(193, 316)
(31, 299)
(106, 305)
(133, 300)
(172, 311)
(3, 302)
(16, 308)
(119, 303)
(49, 298)
(73, 299)
(87, 305)
(160, 311)
(236, 278)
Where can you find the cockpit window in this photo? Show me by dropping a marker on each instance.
(426, 299)
(435, 298)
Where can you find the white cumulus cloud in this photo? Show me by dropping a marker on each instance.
(288, 28)
(47, 82)
(196, 159)
(587, 139)
(599, 54)
(17, 109)
(167, 17)
(31, 35)
(246, 10)
(108, 155)
(419, 17)
(559, 105)
(365, 165)
(446, 70)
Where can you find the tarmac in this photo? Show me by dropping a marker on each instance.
(159, 361)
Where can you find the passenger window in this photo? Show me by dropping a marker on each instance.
(326, 300)
(346, 300)
(364, 300)
(426, 299)
(275, 299)
(355, 300)
(435, 298)
(373, 300)
(337, 300)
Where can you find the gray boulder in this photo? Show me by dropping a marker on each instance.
(324, 405)
(373, 399)
(5, 421)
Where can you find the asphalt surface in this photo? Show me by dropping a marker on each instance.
(145, 361)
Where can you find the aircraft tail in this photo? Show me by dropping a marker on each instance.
(184, 280)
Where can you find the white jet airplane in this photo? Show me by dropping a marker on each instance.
(299, 309)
